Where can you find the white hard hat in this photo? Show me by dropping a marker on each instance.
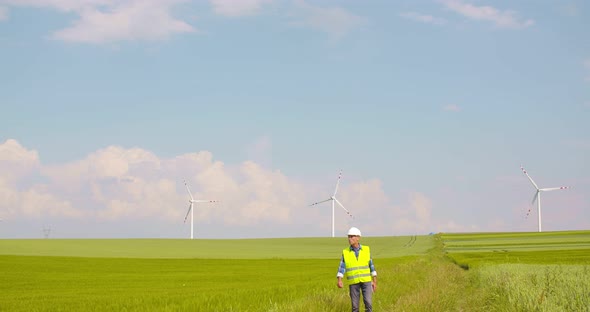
(354, 231)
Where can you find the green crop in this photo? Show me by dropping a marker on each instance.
(277, 248)
(443, 272)
(547, 271)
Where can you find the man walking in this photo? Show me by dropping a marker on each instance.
(356, 265)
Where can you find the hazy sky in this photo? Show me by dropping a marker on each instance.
(428, 107)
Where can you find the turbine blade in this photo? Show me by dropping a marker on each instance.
(347, 212)
(189, 210)
(528, 213)
(535, 198)
(554, 188)
(531, 179)
(338, 183)
(323, 201)
(188, 190)
(206, 201)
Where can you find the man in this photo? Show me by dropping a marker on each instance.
(357, 266)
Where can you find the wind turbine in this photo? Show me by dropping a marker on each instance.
(333, 199)
(537, 196)
(192, 202)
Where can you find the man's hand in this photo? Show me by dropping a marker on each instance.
(374, 285)
(340, 283)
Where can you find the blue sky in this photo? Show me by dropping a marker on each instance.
(429, 108)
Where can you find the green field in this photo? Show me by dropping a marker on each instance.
(443, 272)
(275, 248)
(547, 271)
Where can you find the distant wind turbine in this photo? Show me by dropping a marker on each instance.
(333, 199)
(537, 196)
(192, 202)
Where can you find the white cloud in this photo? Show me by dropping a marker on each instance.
(61, 5)
(232, 8)
(17, 162)
(452, 108)
(31, 204)
(336, 22)
(12, 151)
(362, 198)
(375, 212)
(133, 21)
(116, 185)
(104, 21)
(422, 206)
(428, 19)
(502, 19)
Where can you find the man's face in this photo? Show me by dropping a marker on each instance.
(353, 240)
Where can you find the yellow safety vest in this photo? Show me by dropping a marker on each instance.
(357, 270)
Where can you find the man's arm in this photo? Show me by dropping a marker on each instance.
(373, 274)
(341, 271)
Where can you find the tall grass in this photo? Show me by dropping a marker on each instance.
(551, 288)
(111, 284)
(547, 271)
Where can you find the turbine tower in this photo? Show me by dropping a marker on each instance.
(333, 199)
(192, 202)
(537, 196)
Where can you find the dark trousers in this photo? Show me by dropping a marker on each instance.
(355, 296)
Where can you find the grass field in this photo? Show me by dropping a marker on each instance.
(572, 247)
(495, 272)
(547, 271)
(281, 248)
(183, 275)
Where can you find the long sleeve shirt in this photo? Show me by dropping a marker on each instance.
(342, 268)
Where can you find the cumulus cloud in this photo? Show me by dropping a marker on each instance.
(502, 19)
(376, 213)
(117, 185)
(232, 8)
(32, 203)
(335, 21)
(422, 18)
(104, 21)
(421, 205)
(16, 161)
(61, 5)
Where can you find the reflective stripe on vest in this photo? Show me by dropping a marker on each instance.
(357, 270)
